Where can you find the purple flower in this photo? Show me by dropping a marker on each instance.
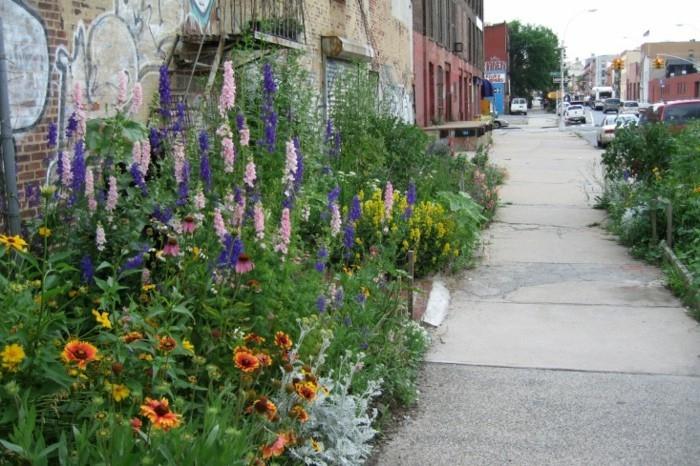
(321, 304)
(269, 116)
(270, 130)
(349, 237)
(72, 125)
(355, 209)
(333, 195)
(329, 131)
(269, 85)
(164, 92)
(203, 143)
(332, 140)
(52, 135)
(240, 121)
(59, 166)
(137, 176)
(411, 193)
(32, 194)
(179, 125)
(183, 189)
(162, 215)
(155, 139)
(87, 270)
(204, 165)
(347, 321)
(233, 248)
(322, 255)
(133, 263)
(360, 298)
(78, 168)
(339, 297)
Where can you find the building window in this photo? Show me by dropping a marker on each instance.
(440, 89)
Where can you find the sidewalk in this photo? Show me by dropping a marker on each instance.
(559, 348)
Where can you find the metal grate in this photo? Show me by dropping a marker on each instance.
(279, 18)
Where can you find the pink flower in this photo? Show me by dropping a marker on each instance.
(244, 134)
(229, 154)
(90, 190)
(219, 225)
(188, 224)
(259, 220)
(250, 175)
(336, 223)
(136, 97)
(244, 264)
(67, 175)
(239, 212)
(136, 153)
(145, 157)
(123, 84)
(171, 247)
(79, 109)
(224, 131)
(388, 199)
(179, 159)
(112, 195)
(285, 233)
(228, 91)
(100, 239)
(290, 168)
(200, 201)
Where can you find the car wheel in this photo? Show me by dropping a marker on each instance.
(599, 144)
(496, 124)
(525, 113)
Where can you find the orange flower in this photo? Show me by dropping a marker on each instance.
(264, 359)
(158, 412)
(246, 361)
(136, 424)
(265, 407)
(254, 339)
(132, 336)
(283, 341)
(299, 413)
(80, 352)
(167, 343)
(277, 447)
(306, 390)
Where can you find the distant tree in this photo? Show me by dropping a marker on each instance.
(534, 54)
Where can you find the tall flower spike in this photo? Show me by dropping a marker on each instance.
(228, 91)
(259, 220)
(145, 156)
(136, 97)
(164, 92)
(112, 195)
(290, 168)
(52, 135)
(100, 239)
(90, 190)
(122, 88)
(179, 161)
(336, 222)
(229, 151)
(250, 175)
(285, 233)
(388, 199)
(219, 225)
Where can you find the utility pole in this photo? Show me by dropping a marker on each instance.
(7, 145)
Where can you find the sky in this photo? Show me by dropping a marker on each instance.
(617, 25)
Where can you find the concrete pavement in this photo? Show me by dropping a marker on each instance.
(559, 348)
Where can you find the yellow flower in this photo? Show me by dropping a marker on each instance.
(145, 357)
(120, 392)
(12, 356)
(196, 251)
(14, 242)
(102, 318)
(148, 287)
(316, 445)
(697, 190)
(187, 345)
(44, 232)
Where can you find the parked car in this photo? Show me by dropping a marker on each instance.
(518, 105)
(499, 122)
(610, 124)
(629, 106)
(574, 114)
(611, 105)
(675, 113)
(565, 105)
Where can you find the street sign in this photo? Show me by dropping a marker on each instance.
(558, 80)
(555, 74)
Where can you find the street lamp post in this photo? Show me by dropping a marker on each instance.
(561, 66)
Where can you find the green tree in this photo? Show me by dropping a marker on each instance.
(534, 54)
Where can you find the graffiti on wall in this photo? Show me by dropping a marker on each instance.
(27, 53)
(200, 10)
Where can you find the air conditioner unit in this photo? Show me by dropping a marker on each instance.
(458, 47)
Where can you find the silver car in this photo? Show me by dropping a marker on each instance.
(629, 106)
(610, 124)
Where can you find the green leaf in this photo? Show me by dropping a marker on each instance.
(12, 447)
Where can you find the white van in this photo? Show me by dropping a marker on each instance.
(518, 105)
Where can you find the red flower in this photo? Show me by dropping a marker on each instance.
(246, 361)
(136, 424)
(80, 352)
(158, 412)
(283, 341)
(167, 344)
(277, 447)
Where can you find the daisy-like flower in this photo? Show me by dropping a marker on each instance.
(135, 424)
(44, 232)
(160, 415)
(12, 356)
(14, 242)
(306, 390)
(283, 341)
(167, 343)
(244, 264)
(254, 339)
(120, 392)
(277, 447)
(245, 360)
(132, 336)
(79, 352)
(299, 413)
(171, 247)
(264, 407)
(188, 224)
(187, 345)
(102, 318)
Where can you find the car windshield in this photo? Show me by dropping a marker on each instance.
(609, 120)
(631, 104)
(681, 113)
(575, 107)
(612, 101)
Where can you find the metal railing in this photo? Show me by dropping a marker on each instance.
(279, 18)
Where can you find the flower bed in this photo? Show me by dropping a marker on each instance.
(221, 294)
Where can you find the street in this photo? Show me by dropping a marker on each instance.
(559, 347)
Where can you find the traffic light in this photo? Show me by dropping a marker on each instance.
(618, 64)
(658, 63)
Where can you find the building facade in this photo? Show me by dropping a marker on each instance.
(496, 64)
(53, 44)
(448, 45)
(677, 57)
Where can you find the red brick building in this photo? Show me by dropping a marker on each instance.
(448, 57)
(497, 62)
(675, 88)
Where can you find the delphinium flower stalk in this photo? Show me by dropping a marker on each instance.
(259, 220)
(112, 195)
(78, 168)
(66, 170)
(164, 92)
(250, 174)
(183, 190)
(145, 156)
(136, 97)
(220, 225)
(239, 208)
(90, 190)
(299, 175)
(228, 90)
(136, 154)
(87, 269)
(204, 165)
(336, 222)
(355, 209)
(410, 199)
(123, 83)
(178, 161)
(321, 258)
(138, 179)
(321, 304)
(200, 200)
(179, 125)
(229, 152)
(290, 169)
(285, 233)
(269, 116)
(52, 135)
(388, 200)
(100, 239)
